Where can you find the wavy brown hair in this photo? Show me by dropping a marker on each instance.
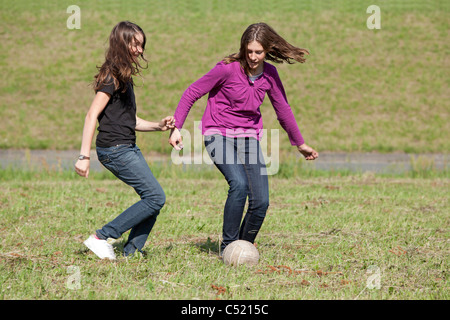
(277, 49)
(120, 65)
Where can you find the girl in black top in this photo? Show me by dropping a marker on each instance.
(114, 107)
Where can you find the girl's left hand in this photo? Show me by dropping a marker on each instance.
(167, 123)
(308, 152)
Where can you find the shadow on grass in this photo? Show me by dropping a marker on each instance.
(209, 246)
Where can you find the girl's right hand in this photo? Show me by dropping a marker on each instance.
(167, 123)
(82, 167)
(175, 139)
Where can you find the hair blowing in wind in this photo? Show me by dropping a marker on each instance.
(120, 65)
(277, 48)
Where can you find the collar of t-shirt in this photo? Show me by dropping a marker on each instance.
(253, 78)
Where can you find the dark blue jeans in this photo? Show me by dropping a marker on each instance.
(127, 163)
(241, 162)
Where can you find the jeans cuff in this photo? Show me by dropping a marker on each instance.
(100, 236)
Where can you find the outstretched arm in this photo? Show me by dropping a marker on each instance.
(286, 117)
(148, 126)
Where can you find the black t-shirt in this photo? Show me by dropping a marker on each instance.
(117, 122)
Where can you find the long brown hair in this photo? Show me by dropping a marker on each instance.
(120, 65)
(277, 49)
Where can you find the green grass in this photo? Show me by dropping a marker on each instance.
(322, 236)
(361, 90)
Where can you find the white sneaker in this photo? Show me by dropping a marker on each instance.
(101, 248)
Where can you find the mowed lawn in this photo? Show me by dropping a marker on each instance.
(326, 235)
(330, 237)
(380, 90)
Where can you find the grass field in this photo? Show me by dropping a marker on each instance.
(327, 235)
(361, 90)
(323, 238)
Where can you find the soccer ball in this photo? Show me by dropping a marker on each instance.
(240, 252)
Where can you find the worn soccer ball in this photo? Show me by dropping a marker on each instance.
(240, 252)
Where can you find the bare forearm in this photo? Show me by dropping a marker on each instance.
(146, 126)
(88, 134)
(90, 121)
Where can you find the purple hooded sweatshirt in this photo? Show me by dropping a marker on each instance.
(234, 100)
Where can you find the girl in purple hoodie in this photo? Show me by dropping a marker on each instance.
(232, 123)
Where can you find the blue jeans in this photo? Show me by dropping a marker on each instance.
(241, 162)
(127, 163)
